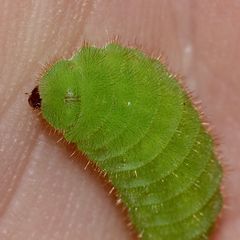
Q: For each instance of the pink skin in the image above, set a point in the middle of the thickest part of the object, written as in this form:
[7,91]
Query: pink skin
[45,193]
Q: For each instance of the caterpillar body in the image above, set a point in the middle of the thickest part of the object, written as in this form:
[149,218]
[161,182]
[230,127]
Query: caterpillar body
[130,116]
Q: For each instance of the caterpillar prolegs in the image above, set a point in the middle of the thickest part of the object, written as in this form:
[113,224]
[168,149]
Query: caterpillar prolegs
[132,118]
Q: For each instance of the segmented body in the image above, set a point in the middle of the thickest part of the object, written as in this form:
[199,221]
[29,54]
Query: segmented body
[130,116]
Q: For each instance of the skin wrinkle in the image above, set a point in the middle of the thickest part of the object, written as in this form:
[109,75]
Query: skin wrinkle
[13,175]
[213,74]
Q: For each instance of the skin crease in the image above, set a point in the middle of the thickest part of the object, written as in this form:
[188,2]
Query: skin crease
[45,193]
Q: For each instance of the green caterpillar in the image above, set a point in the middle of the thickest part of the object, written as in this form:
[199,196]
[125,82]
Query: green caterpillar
[132,118]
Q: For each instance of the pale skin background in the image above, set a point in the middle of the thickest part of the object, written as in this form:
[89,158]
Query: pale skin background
[45,193]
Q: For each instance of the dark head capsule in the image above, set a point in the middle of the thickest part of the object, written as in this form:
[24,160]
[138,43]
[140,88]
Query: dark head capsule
[34,99]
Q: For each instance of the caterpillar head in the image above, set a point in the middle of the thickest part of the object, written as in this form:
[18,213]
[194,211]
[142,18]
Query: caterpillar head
[58,94]
[34,99]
